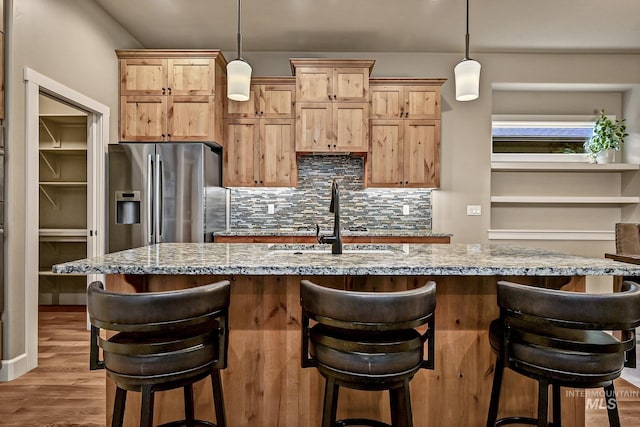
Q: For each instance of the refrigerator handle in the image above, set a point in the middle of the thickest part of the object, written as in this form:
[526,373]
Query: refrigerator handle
[160,197]
[150,222]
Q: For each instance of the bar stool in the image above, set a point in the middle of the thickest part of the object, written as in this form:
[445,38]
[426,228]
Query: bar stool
[559,338]
[163,340]
[367,341]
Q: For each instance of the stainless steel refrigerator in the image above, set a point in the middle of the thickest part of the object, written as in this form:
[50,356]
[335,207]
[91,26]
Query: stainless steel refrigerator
[169,192]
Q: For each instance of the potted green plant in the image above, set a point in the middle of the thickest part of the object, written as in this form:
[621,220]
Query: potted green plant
[608,135]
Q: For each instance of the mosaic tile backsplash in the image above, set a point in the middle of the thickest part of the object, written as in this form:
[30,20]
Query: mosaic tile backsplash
[308,204]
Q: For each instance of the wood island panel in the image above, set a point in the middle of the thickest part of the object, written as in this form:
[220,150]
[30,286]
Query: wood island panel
[265,386]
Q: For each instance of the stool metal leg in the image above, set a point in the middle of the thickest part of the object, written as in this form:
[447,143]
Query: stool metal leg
[612,405]
[146,413]
[218,398]
[118,407]
[188,406]
[543,404]
[401,405]
[557,405]
[330,407]
[495,393]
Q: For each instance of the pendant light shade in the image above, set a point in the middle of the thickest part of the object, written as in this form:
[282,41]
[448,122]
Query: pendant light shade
[467,80]
[238,72]
[467,73]
[238,80]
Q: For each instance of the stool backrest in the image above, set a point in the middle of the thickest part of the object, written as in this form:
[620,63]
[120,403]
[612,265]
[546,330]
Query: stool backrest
[158,312]
[531,314]
[368,311]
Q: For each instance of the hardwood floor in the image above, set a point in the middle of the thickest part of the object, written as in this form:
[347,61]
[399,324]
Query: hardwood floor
[63,392]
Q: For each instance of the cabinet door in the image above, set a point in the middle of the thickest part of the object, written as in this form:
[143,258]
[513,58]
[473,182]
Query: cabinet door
[190,118]
[313,127]
[350,84]
[143,76]
[422,153]
[384,165]
[277,153]
[241,153]
[243,109]
[350,127]
[314,84]
[387,102]
[276,101]
[143,118]
[422,102]
[191,76]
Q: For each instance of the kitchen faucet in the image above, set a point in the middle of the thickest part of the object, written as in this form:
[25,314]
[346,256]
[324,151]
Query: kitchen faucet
[335,240]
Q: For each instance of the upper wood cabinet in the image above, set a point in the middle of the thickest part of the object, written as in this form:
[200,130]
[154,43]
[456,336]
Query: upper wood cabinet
[404,153]
[322,80]
[405,133]
[405,98]
[332,127]
[260,153]
[171,95]
[332,105]
[269,98]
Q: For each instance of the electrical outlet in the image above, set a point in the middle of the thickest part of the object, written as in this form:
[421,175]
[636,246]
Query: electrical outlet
[474,210]
[405,209]
[271,209]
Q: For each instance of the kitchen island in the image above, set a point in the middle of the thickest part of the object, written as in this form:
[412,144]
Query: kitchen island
[264,385]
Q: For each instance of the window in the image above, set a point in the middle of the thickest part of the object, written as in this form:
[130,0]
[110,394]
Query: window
[544,140]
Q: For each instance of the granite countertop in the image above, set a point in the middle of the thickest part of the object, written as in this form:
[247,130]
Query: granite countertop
[310,231]
[373,259]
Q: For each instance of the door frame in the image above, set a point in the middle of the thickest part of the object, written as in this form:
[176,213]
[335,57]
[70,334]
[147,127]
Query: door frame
[97,145]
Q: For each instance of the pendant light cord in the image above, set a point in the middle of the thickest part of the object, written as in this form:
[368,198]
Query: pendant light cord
[466,44]
[240,35]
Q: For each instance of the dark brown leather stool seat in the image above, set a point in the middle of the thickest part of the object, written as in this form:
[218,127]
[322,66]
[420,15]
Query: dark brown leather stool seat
[560,339]
[161,341]
[367,341]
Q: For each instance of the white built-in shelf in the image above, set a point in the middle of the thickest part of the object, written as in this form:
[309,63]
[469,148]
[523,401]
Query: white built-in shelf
[63,234]
[64,183]
[67,151]
[598,200]
[528,234]
[563,167]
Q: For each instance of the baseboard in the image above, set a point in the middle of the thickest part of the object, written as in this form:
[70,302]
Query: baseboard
[13,368]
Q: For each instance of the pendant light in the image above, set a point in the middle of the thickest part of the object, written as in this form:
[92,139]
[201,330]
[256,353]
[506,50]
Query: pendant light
[238,72]
[467,73]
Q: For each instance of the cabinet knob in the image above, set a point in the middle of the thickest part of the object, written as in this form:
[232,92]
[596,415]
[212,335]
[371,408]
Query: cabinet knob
[329,97]
[334,145]
[335,96]
[169,135]
[406,182]
[328,145]
[163,91]
[163,135]
[255,182]
[169,91]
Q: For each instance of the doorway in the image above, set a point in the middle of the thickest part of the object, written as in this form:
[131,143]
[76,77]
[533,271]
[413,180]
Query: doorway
[97,132]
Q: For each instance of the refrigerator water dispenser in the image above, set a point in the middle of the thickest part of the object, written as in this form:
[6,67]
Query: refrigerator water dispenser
[127,207]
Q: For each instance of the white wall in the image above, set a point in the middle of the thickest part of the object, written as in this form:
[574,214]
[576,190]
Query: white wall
[72,42]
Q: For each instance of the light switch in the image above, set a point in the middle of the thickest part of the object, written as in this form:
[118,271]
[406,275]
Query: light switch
[271,208]
[405,209]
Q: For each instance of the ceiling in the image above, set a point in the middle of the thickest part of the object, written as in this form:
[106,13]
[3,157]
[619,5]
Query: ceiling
[559,26]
